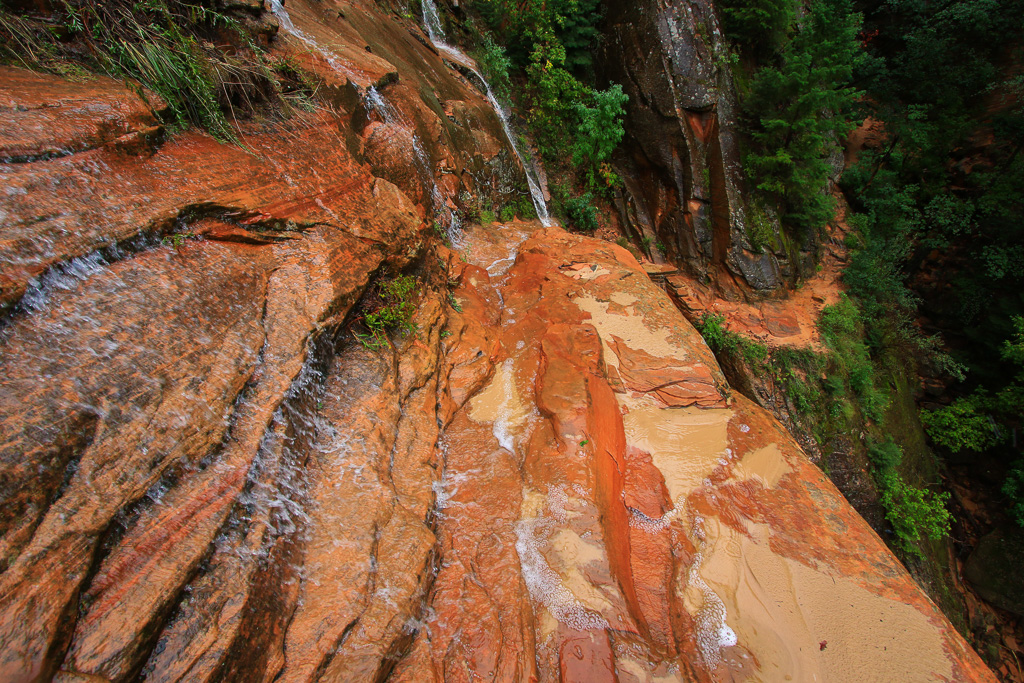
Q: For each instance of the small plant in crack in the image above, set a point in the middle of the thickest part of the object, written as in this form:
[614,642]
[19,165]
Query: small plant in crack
[390,308]
[176,240]
[442,234]
[454,303]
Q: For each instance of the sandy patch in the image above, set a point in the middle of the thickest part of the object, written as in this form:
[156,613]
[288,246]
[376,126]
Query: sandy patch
[630,328]
[686,444]
[802,624]
[766,465]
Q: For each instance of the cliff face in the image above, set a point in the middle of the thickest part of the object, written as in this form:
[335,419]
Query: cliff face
[681,161]
[203,476]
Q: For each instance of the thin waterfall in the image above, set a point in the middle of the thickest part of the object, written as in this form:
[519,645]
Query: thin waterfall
[449,220]
[432,23]
[278,10]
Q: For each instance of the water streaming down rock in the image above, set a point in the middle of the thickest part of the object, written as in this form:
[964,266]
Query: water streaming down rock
[279,11]
[435,31]
[448,218]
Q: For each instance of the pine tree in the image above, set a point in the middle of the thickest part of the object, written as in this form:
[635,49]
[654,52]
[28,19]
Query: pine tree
[799,108]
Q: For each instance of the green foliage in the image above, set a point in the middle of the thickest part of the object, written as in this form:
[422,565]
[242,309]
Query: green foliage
[166,45]
[799,371]
[176,240]
[850,361]
[552,97]
[761,25]
[572,24]
[914,513]
[392,311]
[960,426]
[760,230]
[581,213]
[799,107]
[440,232]
[711,326]
[522,207]
[551,42]
[600,129]
[496,66]
[981,421]
[170,66]
[885,455]
[936,78]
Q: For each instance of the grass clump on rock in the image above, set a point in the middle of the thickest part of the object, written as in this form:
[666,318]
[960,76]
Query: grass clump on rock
[204,62]
[389,309]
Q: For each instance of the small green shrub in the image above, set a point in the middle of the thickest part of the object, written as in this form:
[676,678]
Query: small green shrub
[960,426]
[798,370]
[759,228]
[885,455]
[914,513]
[850,359]
[441,233]
[600,129]
[721,340]
[454,303]
[581,213]
[393,311]
[496,65]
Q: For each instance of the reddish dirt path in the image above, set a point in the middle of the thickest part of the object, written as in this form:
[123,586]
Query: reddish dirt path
[789,318]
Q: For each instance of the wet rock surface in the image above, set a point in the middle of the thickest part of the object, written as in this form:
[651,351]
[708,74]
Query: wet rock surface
[681,165]
[205,477]
[675,535]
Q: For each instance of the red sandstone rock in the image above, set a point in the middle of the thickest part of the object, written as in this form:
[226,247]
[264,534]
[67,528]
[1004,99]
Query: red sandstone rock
[202,478]
[47,116]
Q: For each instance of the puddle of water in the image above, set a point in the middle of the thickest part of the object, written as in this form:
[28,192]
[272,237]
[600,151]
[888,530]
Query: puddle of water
[500,404]
[686,444]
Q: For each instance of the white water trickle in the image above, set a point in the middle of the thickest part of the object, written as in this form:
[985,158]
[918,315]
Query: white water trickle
[450,220]
[432,22]
[544,583]
[278,10]
[503,422]
[713,633]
